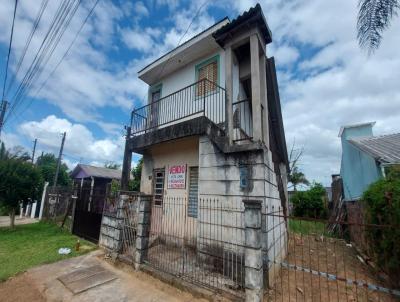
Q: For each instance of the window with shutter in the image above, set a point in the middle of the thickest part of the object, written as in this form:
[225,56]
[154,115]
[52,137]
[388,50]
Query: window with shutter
[193,191]
[207,71]
[158,189]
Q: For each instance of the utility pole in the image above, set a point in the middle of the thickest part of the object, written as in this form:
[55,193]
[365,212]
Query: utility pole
[59,161]
[34,149]
[3,109]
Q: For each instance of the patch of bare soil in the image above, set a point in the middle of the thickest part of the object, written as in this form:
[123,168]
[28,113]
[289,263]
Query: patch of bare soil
[324,269]
[20,288]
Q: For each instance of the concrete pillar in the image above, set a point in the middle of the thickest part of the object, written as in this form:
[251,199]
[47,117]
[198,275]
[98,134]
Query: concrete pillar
[255,87]
[46,184]
[254,283]
[143,230]
[264,101]
[33,211]
[229,93]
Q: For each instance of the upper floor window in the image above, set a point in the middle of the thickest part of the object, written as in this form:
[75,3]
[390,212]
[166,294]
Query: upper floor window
[207,71]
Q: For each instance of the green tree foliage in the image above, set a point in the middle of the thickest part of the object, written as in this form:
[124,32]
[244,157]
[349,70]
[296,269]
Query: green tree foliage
[296,178]
[19,180]
[134,184]
[17,152]
[382,206]
[374,18]
[47,165]
[310,203]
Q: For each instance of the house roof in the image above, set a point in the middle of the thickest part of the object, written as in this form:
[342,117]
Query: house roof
[355,126]
[254,16]
[199,46]
[385,148]
[83,171]
[275,112]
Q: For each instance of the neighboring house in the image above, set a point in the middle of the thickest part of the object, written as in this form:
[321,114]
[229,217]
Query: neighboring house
[364,157]
[212,129]
[90,187]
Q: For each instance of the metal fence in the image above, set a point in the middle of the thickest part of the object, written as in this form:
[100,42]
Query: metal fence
[319,264]
[203,98]
[129,222]
[206,250]
[58,205]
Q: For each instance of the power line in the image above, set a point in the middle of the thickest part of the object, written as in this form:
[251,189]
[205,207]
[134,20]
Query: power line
[28,42]
[64,56]
[9,47]
[46,49]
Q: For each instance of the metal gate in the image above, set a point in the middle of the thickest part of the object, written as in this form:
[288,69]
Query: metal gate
[88,213]
[205,250]
[129,227]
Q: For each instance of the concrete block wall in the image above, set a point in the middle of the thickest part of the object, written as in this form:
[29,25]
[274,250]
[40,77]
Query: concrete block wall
[110,233]
[219,178]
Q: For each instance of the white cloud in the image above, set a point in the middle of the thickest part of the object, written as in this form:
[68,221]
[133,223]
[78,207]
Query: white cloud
[141,9]
[79,142]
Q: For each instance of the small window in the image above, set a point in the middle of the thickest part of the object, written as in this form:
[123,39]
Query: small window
[158,189]
[209,72]
[193,191]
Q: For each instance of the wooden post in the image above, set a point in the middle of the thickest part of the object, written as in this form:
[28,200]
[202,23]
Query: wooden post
[126,165]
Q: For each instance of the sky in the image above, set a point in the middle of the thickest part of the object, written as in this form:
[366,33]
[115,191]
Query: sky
[325,79]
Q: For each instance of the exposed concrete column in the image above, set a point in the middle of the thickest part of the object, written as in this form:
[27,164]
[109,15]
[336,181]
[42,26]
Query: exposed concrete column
[229,93]
[254,283]
[46,184]
[264,101]
[255,87]
[143,230]
[126,164]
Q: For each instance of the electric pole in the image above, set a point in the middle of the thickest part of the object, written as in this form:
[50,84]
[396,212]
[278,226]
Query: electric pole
[3,109]
[59,161]
[34,149]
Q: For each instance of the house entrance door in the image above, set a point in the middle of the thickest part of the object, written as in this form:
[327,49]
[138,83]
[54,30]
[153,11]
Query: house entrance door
[155,96]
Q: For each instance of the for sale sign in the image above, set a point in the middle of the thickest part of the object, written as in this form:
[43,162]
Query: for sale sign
[177,177]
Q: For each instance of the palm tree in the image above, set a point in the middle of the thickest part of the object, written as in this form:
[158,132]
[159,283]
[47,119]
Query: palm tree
[296,178]
[374,17]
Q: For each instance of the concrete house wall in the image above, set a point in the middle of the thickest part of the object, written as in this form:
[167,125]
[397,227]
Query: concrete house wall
[358,169]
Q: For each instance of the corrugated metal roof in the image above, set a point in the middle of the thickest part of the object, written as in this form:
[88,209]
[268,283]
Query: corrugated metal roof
[97,172]
[385,148]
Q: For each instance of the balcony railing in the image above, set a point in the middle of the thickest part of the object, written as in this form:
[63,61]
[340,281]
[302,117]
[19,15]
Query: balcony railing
[242,120]
[203,98]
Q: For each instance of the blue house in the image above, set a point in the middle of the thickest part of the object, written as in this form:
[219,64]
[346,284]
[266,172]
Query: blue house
[364,157]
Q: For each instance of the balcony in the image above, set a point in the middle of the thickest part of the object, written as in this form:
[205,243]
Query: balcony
[203,98]
[189,111]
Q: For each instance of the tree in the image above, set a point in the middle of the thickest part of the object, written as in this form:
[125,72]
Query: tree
[295,176]
[112,165]
[17,152]
[374,18]
[47,165]
[310,203]
[19,180]
[134,184]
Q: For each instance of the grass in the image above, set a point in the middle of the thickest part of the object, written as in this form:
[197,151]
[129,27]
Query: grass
[305,227]
[30,245]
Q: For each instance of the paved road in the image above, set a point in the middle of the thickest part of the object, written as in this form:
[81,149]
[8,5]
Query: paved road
[5,220]
[41,284]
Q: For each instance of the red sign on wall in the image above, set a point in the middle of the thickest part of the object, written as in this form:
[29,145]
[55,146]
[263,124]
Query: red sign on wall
[177,177]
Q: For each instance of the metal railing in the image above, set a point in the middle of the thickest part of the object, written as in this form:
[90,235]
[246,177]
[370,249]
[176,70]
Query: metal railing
[203,98]
[242,120]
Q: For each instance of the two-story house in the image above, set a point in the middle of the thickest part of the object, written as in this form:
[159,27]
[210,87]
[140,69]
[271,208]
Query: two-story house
[212,129]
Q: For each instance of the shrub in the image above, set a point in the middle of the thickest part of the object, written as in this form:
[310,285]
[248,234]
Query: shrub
[310,203]
[382,206]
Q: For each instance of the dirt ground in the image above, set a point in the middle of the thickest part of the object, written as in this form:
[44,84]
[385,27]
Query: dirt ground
[5,220]
[41,284]
[326,255]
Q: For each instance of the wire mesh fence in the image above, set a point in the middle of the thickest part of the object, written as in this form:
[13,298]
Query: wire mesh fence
[206,250]
[323,265]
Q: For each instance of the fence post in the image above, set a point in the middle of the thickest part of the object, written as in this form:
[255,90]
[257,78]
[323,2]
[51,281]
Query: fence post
[143,229]
[119,218]
[254,284]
